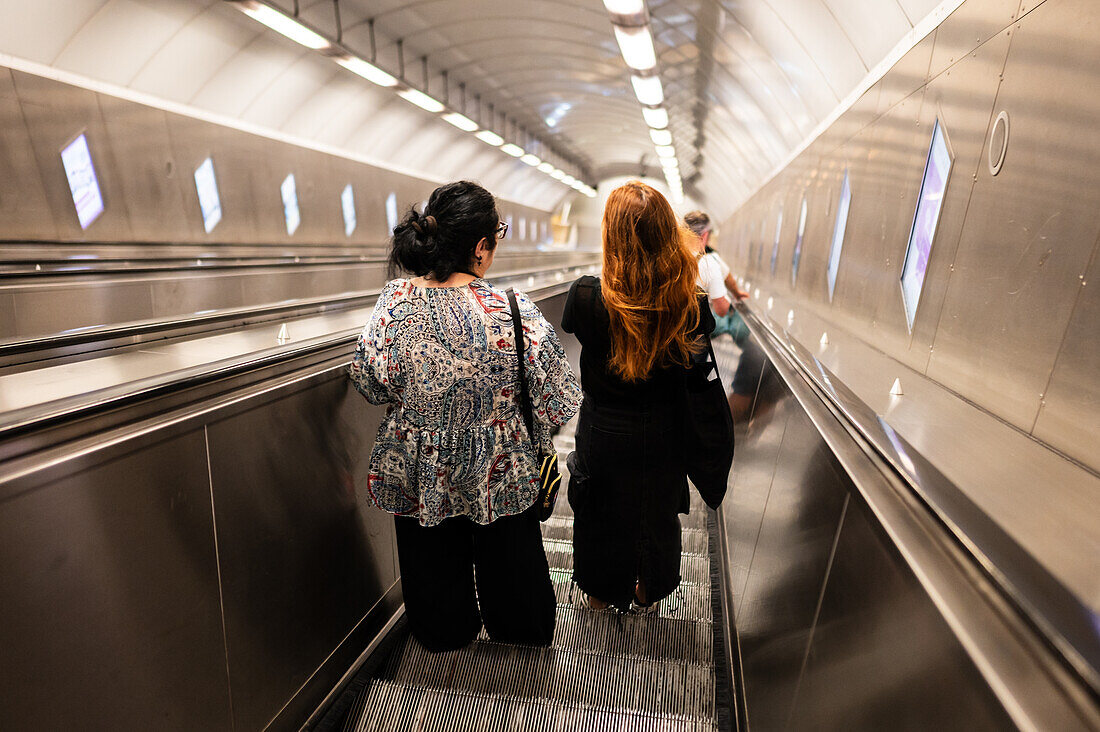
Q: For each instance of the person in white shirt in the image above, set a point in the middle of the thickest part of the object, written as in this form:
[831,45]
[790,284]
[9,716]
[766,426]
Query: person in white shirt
[717,280]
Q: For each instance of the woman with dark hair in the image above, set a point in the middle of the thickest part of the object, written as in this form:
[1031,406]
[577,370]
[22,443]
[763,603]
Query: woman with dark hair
[453,460]
[640,328]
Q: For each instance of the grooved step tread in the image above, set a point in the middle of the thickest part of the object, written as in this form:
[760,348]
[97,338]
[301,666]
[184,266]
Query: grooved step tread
[397,706]
[693,541]
[694,568]
[646,685]
[690,601]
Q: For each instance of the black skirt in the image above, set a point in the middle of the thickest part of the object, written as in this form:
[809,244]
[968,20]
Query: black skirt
[627,484]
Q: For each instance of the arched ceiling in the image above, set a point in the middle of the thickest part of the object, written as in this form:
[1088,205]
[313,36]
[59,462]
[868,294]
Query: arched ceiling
[746,81]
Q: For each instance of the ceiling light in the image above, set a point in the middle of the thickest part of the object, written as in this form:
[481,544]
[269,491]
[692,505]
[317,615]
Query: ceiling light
[370,72]
[421,100]
[648,89]
[530,159]
[568,180]
[490,137]
[557,174]
[284,24]
[514,150]
[655,118]
[624,7]
[461,121]
[661,137]
[545,167]
[668,163]
[665,151]
[636,45]
[590,192]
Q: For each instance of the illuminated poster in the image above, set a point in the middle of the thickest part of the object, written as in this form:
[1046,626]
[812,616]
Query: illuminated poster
[936,171]
[290,204]
[206,185]
[391,211]
[838,233]
[775,247]
[77,159]
[798,243]
[347,203]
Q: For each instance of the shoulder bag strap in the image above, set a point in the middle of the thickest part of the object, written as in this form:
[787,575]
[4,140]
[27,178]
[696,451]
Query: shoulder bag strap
[524,397]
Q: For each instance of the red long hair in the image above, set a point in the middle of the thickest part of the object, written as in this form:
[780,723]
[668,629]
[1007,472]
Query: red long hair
[649,274]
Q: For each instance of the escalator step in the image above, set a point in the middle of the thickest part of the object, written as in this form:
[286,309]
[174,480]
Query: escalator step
[690,601]
[571,677]
[694,568]
[398,706]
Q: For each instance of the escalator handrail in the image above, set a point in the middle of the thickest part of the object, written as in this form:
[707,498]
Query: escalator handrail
[1058,616]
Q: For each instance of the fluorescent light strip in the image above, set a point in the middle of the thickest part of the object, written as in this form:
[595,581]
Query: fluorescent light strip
[568,180]
[531,160]
[669,163]
[661,137]
[624,7]
[368,71]
[665,151]
[545,167]
[514,150]
[636,45]
[422,100]
[285,25]
[490,137]
[648,89]
[655,118]
[557,174]
[460,121]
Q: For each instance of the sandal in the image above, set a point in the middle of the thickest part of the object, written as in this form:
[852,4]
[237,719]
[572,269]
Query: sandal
[637,608]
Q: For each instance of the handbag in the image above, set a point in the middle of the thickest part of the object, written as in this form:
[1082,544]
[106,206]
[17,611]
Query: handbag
[708,430]
[549,478]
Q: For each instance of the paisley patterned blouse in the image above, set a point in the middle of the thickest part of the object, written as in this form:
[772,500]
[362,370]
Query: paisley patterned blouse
[453,441]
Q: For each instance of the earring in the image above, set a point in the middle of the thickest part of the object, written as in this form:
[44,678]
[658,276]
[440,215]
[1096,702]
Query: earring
[479,259]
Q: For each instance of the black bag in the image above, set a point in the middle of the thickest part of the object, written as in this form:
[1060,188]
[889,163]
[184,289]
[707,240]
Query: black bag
[708,430]
[549,478]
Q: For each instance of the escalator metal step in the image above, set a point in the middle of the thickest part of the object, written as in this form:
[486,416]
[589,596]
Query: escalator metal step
[694,568]
[693,541]
[690,601]
[641,636]
[398,706]
[647,685]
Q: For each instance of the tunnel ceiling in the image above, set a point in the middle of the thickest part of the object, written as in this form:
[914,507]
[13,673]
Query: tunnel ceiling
[746,81]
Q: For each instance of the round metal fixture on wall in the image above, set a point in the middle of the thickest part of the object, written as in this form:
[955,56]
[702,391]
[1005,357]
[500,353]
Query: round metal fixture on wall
[998,143]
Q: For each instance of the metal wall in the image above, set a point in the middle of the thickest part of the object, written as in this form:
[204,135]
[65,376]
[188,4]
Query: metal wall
[1005,317]
[145,160]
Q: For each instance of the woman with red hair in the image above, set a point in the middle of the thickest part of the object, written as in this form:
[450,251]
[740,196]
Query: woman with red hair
[640,327]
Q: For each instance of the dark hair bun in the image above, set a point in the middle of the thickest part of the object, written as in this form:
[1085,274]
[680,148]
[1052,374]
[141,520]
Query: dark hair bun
[441,241]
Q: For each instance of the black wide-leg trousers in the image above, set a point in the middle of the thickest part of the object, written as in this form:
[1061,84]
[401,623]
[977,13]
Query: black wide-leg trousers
[459,574]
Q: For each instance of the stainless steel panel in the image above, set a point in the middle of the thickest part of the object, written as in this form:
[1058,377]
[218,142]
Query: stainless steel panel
[40,311]
[1070,414]
[907,75]
[962,99]
[109,610]
[178,296]
[970,25]
[150,179]
[882,657]
[192,141]
[55,114]
[302,556]
[1030,230]
[24,211]
[797,528]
